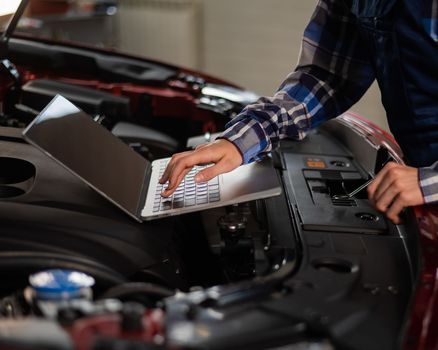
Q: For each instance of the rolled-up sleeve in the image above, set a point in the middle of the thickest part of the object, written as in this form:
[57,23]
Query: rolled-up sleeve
[428,177]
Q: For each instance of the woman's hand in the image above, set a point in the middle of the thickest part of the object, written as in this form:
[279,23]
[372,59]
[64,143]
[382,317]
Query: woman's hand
[394,188]
[223,153]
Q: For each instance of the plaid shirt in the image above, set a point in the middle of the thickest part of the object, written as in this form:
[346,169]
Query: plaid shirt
[331,76]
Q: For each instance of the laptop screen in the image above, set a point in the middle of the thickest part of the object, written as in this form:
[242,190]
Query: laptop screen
[91,152]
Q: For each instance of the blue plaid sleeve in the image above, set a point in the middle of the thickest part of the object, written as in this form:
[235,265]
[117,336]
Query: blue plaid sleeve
[333,72]
[428,177]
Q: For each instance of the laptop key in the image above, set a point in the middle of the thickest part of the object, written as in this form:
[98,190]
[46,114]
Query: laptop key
[214,198]
[166,207]
[178,204]
[166,204]
[190,202]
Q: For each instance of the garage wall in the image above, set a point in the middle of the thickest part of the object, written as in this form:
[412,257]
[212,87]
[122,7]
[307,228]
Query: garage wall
[167,30]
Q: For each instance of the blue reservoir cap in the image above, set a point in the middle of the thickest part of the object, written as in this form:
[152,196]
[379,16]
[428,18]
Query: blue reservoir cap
[57,284]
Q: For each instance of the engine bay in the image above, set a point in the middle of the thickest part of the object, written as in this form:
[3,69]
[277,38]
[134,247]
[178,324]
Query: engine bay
[300,268]
[309,269]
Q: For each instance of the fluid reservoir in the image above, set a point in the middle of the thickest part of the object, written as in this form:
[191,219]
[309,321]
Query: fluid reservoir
[60,285]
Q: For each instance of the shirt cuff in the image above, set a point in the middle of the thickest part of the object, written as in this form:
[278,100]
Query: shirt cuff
[249,137]
[428,178]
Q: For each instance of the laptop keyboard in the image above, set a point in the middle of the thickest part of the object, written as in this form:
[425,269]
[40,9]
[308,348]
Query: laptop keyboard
[188,193]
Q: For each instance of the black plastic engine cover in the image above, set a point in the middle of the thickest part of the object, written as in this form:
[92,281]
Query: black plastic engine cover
[49,218]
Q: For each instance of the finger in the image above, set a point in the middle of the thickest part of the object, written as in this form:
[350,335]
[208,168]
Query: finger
[394,211]
[383,186]
[169,190]
[394,174]
[211,153]
[213,171]
[378,179]
[165,177]
[372,187]
[386,199]
[179,170]
[183,166]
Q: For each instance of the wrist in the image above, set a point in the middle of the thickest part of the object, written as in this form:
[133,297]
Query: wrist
[249,138]
[231,149]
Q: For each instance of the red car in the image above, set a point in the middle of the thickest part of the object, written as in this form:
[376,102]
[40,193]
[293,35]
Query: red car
[305,270]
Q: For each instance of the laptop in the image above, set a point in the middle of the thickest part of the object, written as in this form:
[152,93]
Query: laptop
[104,162]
